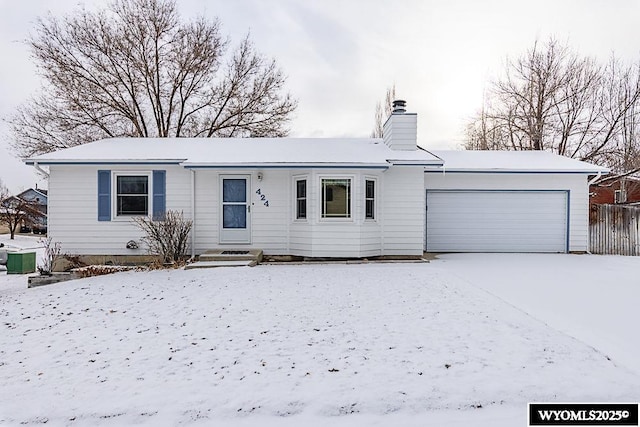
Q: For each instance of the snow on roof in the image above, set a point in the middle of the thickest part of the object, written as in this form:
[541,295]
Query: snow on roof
[513,161]
[308,152]
[211,152]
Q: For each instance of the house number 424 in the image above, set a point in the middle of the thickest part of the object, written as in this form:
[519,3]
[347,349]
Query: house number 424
[263,198]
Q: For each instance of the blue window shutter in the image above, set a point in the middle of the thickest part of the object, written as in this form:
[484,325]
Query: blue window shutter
[104,195]
[159,194]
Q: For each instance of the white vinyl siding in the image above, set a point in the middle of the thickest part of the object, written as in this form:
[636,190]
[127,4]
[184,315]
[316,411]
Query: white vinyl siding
[275,228]
[497,221]
[402,211]
[269,221]
[400,131]
[330,237]
[398,228]
[73,208]
[574,184]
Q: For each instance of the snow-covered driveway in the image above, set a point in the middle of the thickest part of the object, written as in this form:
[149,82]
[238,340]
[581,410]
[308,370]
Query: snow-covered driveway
[322,341]
[594,298]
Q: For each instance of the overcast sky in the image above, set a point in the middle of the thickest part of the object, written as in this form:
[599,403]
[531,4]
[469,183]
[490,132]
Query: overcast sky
[341,55]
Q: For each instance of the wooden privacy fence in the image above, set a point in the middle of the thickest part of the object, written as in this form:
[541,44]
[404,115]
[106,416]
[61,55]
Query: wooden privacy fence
[614,229]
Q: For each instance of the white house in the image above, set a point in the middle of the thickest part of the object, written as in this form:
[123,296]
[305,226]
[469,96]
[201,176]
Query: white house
[318,197]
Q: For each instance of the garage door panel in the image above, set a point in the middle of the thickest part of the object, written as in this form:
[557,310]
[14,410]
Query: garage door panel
[523,225]
[497,221]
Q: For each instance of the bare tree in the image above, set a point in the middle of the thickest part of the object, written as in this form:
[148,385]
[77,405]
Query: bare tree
[485,132]
[617,143]
[553,99]
[4,195]
[4,191]
[136,69]
[15,210]
[383,111]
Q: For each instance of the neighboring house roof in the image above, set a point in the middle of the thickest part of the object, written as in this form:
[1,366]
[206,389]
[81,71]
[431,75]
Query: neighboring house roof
[32,194]
[605,182]
[240,152]
[513,162]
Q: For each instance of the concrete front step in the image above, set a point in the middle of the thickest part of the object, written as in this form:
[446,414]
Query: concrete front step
[232,255]
[214,264]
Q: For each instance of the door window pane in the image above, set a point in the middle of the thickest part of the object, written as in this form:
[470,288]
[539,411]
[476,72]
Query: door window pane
[234,216]
[234,190]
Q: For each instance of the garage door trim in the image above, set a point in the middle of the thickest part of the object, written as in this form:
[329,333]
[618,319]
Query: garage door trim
[474,190]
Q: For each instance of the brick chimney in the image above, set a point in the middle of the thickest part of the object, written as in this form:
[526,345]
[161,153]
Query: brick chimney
[400,131]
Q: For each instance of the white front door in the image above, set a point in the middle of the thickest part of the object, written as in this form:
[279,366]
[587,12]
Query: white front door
[235,207]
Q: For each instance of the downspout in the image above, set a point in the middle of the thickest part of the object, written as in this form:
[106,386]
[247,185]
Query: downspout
[39,169]
[381,211]
[193,215]
[597,177]
[589,184]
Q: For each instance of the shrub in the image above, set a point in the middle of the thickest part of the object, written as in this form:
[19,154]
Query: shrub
[167,238]
[52,252]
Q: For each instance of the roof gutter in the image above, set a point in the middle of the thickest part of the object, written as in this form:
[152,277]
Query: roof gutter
[416,163]
[188,165]
[518,171]
[40,170]
[31,162]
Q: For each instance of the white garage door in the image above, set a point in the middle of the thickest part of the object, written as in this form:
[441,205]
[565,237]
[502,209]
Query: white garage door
[497,221]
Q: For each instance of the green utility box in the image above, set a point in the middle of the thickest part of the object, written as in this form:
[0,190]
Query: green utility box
[21,262]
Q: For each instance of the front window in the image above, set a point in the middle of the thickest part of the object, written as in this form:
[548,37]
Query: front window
[369,199]
[301,199]
[336,198]
[132,196]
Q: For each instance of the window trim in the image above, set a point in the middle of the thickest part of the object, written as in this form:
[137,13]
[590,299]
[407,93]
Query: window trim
[295,198]
[114,194]
[351,217]
[375,198]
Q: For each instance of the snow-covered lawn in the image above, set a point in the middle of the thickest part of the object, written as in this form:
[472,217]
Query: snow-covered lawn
[593,298]
[377,344]
[22,241]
